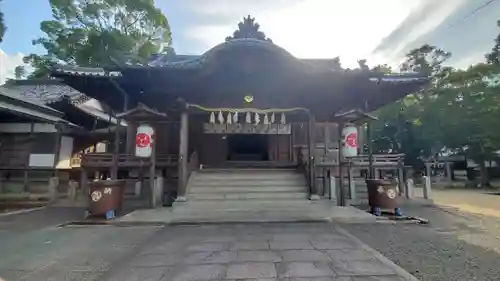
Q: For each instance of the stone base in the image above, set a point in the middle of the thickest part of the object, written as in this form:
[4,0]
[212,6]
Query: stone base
[181,199]
[314,197]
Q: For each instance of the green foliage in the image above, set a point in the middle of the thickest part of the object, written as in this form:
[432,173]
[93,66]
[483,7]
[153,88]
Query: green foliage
[91,33]
[459,112]
[3,28]
[494,56]
[19,72]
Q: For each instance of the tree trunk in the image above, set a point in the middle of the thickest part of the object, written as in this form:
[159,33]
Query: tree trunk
[483,174]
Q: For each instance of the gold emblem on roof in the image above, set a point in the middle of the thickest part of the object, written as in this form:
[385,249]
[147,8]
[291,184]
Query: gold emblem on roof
[248,99]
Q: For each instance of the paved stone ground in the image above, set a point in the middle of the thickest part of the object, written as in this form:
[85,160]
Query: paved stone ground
[38,219]
[454,246]
[69,253]
[316,251]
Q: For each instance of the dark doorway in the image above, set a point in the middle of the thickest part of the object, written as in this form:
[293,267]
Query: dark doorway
[244,147]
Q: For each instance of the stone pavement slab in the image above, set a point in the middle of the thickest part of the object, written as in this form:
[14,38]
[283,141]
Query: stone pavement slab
[284,252]
[70,253]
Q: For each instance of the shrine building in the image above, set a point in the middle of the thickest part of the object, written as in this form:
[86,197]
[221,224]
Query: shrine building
[244,104]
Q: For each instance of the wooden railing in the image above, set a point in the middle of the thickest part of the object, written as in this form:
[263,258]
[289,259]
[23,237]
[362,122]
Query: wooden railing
[76,160]
[125,160]
[378,158]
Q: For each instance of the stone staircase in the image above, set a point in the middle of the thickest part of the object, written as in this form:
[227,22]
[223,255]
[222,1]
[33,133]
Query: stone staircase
[257,190]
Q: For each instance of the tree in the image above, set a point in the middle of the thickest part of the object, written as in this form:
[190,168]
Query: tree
[470,112]
[3,28]
[410,126]
[95,33]
[19,72]
[494,56]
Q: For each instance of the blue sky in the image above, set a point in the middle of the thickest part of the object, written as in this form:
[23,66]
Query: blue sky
[381,31]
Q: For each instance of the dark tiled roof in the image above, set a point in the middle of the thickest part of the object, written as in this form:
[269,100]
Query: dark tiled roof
[17,96]
[50,93]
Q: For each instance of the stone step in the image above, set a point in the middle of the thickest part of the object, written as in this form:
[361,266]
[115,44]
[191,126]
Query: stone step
[248,196]
[246,183]
[248,177]
[245,189]
[242,205]
[249,170]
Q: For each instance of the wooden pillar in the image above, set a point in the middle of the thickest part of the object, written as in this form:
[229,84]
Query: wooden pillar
[152,171]
[57,148]
[311,153]
[361,139]
[428,169]
[326,176]
[341,191]
[129,143]
[352,183]
[371,172]
[183,157]
[449,171]
[116,151]
[84,183]
[27,164]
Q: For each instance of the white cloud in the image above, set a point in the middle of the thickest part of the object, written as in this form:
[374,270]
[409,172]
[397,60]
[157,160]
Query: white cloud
[423,20]
[7,65]
[308,29]
[381,31]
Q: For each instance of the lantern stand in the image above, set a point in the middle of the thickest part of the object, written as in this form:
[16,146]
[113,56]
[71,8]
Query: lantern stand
[144,119]
[346,122]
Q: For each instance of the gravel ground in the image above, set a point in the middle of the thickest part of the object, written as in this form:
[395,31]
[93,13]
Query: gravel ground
[454,246]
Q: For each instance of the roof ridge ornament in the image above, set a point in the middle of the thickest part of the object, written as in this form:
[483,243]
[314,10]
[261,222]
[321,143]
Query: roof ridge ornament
[248,28]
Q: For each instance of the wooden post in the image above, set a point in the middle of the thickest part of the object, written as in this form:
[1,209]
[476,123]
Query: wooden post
[312,149]
[428,170]
[26,181]
[427,187]
[371,172]
[326,178]
[409,189]
[152,171]
[352,184]
[341,193]
[448,171]
[183,157]
[57,147]
[332,190]
[116,151]
[84,183]
[403,188]
[129,138]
